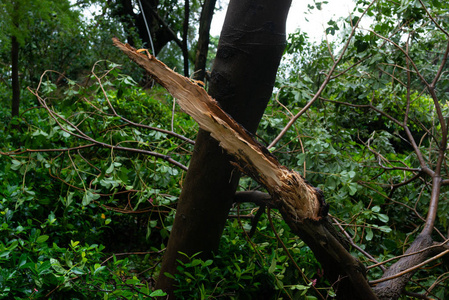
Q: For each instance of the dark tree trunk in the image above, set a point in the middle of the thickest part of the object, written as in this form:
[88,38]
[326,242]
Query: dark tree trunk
[127,16]
[202,47]
[15,76]
[185,32]
[242,79]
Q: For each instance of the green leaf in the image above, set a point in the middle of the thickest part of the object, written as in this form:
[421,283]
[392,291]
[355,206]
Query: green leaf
[383,218]
[169,275]
[376,208]
[189,275]
[272,267]
[352,188]
[42,239]
[16,165]
[89,197]
[195,262]
[208,263]
[158,293]
[300,158]
[57,266]
[78,271]
[133,281]
[369,234]
[385,229]
[110,169]
[43,267]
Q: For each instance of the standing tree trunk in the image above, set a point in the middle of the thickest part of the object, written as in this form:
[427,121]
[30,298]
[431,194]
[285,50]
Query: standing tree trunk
[185,32]
[202,47]
[15,76]
[249,52]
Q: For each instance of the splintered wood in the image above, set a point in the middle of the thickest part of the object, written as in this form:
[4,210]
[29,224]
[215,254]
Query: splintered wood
[289,190]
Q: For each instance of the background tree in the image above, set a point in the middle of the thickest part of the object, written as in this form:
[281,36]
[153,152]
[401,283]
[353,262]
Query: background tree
[48,36]
[18,21]
[160,19]
[207,12]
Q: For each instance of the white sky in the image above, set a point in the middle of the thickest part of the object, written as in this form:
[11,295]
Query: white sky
[297,18]
[314,27]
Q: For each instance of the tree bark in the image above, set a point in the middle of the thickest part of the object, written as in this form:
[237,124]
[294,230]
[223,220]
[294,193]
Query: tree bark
[244,71]
[15,76]
[202,48]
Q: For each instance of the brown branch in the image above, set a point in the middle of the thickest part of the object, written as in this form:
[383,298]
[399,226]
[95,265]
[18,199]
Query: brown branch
[433,205]
[185,31]
[369,256]
[430,87]
[370,106]
[424,167]
[18,152]
[433,19]
[409,269]
[164,24]
[256,197]
[114,112]
[409,254]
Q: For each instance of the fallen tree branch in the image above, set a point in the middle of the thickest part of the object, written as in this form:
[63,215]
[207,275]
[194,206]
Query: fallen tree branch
[288,188]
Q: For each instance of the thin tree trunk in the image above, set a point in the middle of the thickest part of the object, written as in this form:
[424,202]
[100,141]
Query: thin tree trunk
[15,76]
[244,71]
[185,32]
[202,47]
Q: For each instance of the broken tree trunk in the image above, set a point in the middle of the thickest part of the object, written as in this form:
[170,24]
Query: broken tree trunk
[288,188]
[301,205]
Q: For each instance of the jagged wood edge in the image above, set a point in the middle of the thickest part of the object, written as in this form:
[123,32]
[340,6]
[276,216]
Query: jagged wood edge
[288,188]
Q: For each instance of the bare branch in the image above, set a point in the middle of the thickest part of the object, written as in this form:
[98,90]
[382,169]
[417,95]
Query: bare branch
[369,256]
[324,84]
[433,19]
[256,197]
[81,135]
[409,269]
[430,87]
[409,254]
